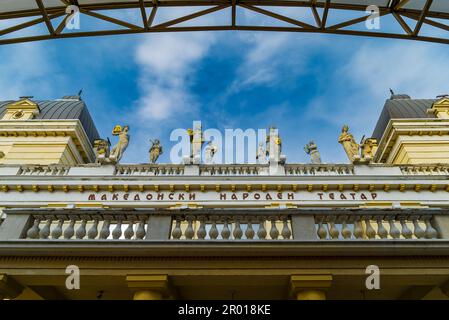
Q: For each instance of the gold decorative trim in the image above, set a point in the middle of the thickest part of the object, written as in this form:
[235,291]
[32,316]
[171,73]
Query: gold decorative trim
[218,188]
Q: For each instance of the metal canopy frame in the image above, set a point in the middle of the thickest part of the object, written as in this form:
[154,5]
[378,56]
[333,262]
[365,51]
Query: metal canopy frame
[319,11]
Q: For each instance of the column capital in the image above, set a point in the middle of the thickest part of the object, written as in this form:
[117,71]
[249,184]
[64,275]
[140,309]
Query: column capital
[310,286]
[9,288]
[159,283]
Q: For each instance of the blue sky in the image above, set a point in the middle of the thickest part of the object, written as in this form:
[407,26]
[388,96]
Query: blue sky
[305,84]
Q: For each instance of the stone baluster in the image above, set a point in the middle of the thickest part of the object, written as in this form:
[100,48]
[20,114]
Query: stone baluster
[56,233]
[105,232]
[358,230]
[345,231]
[333,231]
[201,233]
[117,232]
[381,231]
[213,232]
[129,231]
[33,232]
[140,231]
[285,232]
[237,233]
[274,232]
[262,232]
[70,230]
[93,230]
[430,232]
[177,232]
[394,231]
[81,231]
[249,232]
[370,232]
[418,231]
[189,232]
[44,233]
[321,232]
[225,232]
[406,232]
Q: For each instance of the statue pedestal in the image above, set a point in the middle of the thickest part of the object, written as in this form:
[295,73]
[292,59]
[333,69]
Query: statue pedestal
[277,167]
[192,170]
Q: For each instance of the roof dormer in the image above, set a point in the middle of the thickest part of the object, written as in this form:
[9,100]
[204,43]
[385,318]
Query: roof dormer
[440,108]
[24,109]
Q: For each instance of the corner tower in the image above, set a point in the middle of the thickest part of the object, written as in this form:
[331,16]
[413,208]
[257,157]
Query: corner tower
[46,132]
[413,131]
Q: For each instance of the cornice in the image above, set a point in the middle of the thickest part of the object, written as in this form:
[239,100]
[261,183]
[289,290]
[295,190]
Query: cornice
[234,248]
[409,127]
[50,128]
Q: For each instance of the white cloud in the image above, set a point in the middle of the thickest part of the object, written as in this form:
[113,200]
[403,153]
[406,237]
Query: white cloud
[167,61]
[361,85]
[26,69]
[356,92]
[162,102]
[274,58]
[417,68]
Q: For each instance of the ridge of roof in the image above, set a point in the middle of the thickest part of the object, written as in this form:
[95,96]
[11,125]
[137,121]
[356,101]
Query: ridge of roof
[62,109]
[402,109]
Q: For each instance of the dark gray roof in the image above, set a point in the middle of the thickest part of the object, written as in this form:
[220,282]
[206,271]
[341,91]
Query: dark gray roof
[402,109]
[63,109]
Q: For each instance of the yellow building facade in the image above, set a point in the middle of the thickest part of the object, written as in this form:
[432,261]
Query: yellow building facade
[75,228]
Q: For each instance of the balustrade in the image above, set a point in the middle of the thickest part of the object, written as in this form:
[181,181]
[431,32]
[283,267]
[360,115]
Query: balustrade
[340,227]
[100,227]
[51,170]
[317,170]
[149,170]
[230,170]
[231,227]
[425,170]
[209,225]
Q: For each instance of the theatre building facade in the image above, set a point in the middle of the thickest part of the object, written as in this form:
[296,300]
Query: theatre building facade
[77,224]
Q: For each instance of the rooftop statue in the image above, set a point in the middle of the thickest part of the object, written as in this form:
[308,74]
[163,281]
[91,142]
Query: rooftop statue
[102,150]
[274,146]
[348,142]
[210,152]
[261,154]
[123,140]
[312,149]
[196,142]
[155,150]
[368,147]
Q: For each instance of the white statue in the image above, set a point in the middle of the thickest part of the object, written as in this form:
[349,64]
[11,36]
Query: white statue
[155,150]
[351,147]
[122,144]
[210,152]
[274,146]
[102,150]
[312,149]
[261,155]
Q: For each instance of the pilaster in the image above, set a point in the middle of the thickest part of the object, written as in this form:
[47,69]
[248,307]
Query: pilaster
[310,287]
[149,287]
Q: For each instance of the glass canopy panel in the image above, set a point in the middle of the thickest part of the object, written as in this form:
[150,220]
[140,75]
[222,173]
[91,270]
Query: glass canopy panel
[379,3]
[81,2]
[17,5]
[53,3]
[437,5]
[440,6]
